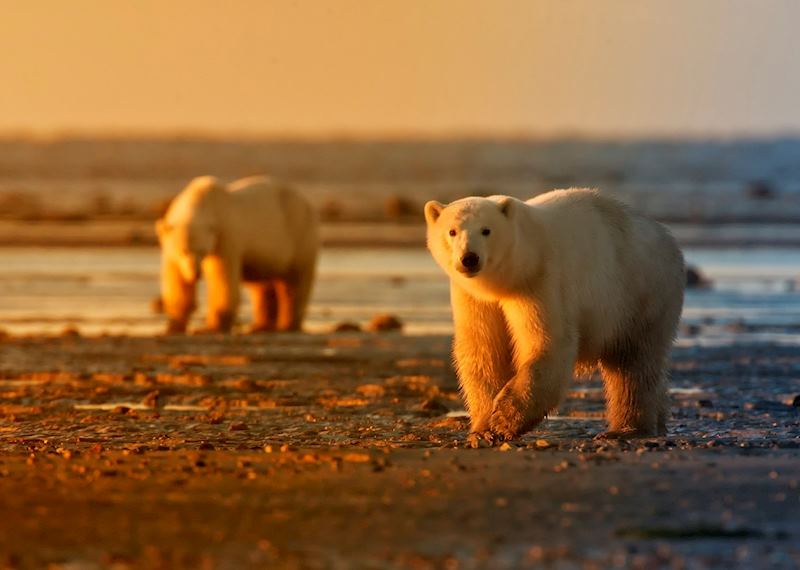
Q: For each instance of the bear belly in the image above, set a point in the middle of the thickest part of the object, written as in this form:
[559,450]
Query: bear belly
[258,272]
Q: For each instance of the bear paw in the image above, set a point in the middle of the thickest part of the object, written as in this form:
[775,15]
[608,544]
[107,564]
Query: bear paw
[510,417]
[480,439]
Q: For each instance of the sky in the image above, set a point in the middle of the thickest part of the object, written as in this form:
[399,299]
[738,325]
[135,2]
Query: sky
[372,67]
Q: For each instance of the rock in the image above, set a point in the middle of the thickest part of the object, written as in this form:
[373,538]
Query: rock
[238,426]
[543,444]
[695,278]
[396,207]
[767,406]
[346,326]
[691,329]
[705,404]
[737,326]
[761,190]
[385,323]
[151,399]
[70,331]
[434,405]
[371,390]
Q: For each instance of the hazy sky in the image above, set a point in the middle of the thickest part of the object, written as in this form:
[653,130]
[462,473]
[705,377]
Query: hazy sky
[372,66]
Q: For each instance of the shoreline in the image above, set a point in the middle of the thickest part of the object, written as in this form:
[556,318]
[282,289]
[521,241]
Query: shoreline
[137,233]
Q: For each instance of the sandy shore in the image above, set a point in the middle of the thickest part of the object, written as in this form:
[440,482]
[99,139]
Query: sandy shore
[344,451]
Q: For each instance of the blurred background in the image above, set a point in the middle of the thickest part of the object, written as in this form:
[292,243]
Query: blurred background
[687,111]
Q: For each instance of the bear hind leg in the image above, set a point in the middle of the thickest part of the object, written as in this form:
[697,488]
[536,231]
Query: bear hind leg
[637,396]
[293,294]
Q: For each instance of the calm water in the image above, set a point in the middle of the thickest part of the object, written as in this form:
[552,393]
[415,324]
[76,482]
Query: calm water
[110,290]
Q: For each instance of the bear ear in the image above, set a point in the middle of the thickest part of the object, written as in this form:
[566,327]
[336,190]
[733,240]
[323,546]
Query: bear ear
[432,211]
[506,206]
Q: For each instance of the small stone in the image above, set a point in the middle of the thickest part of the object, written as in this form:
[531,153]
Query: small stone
[205,446]
[543,444]
[151,399]
[705,404]
[434,405]
[506,447]
[122,410]
[371,390]
[346,327]
[760,190]
[695,278]
[355,457]
[238,426]
[737,326]
[691,329]
[385,323]
[70,331]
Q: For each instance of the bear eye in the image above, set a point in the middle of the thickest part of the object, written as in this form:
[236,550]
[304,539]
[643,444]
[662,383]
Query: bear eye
[452,233]
[486,231]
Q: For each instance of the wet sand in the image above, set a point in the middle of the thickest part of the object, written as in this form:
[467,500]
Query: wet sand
[345,451]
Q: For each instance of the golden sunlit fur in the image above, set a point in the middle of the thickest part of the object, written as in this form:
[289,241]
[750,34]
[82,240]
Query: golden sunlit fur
[561,283]
[253,232]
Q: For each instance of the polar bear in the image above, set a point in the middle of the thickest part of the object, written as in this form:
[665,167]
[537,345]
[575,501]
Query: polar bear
[252,231]
[563,283]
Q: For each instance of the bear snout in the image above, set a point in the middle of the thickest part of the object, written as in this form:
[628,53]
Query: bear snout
[470,263]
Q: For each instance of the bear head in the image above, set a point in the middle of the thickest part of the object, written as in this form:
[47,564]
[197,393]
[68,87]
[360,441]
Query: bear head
[188,232]
[472,238]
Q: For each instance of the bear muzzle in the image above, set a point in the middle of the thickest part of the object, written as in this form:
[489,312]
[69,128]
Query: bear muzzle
[469,264]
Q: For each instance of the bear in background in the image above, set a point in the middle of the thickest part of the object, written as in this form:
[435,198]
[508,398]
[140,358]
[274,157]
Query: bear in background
[253,232]
[562,283]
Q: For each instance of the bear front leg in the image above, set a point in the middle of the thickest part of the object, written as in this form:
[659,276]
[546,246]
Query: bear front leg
[544,364]
[177,296]
[482,353]
[223,278]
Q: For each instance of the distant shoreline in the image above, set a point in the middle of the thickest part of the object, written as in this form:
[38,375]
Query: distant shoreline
[127,233]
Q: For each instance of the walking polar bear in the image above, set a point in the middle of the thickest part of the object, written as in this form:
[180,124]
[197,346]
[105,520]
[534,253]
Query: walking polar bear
[251,231]
[564,282]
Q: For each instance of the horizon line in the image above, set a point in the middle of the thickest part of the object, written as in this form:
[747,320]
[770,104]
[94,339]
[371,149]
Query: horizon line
[389,135]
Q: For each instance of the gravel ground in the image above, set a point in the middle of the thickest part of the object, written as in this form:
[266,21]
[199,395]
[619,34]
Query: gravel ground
[345,451]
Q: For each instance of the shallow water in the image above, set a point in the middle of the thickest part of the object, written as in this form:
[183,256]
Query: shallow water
[756,292]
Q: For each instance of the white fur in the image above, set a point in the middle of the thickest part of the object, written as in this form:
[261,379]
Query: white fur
[568,280]
[252,231]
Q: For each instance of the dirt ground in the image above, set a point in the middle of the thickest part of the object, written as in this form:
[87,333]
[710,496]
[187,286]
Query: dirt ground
[345,451]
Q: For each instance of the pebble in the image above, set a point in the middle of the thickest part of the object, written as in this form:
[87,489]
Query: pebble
[151,399]
[385,323]
[434,405]
[346,326]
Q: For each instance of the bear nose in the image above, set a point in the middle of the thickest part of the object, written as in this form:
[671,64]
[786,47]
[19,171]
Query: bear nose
[470,260]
